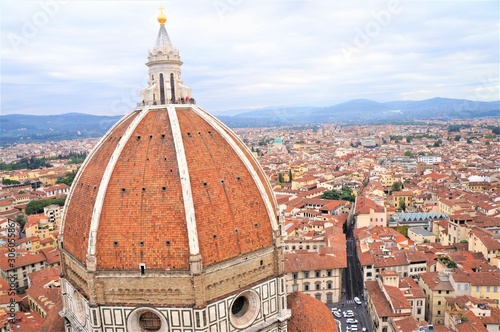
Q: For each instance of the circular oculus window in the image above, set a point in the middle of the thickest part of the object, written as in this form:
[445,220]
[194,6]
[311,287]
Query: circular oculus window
[146,320]
[244,309]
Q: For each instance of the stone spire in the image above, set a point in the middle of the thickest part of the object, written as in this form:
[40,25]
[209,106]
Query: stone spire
[165,85]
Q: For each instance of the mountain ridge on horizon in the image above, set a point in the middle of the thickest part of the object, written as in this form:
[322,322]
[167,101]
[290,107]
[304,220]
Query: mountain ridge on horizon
[26,127]
[349,102]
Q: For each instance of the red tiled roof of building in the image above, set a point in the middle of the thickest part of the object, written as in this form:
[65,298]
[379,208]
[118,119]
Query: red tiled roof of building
[53,321]
[436,282]
[405,324]
[409,284]
[402,193]
[28,322]
[485,278]
[34,219]
[487,238]
[44,276]
[364,205]
[494,317]
[309,261]
[397,298]
[22,260]
[47,240]
[462,301]
[309,314]
[434,176]
[52,255]
[332,205]
[45,295]
[471,323]
[380,302]
[27,239]
[441,328]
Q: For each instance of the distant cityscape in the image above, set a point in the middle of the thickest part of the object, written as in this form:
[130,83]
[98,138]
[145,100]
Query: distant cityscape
[422,233]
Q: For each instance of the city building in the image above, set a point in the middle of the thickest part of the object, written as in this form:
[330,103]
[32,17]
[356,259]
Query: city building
[420,235]
[437,287]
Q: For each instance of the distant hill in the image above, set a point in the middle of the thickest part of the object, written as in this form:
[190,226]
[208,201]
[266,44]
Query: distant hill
[29,128]
[368,111]
[40,128]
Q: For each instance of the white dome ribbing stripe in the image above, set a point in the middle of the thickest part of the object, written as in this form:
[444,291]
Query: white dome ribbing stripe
[84,166]
[187,194]
[260,186]
[96,213]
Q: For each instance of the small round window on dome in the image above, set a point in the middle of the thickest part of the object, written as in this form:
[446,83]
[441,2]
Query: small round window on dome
[244,309]
[149,321]
[240,306]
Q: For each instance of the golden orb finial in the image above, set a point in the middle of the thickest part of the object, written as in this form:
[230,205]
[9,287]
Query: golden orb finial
[162,18]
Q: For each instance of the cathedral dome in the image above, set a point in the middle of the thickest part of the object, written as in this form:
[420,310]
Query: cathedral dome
[171,224]
[166,186]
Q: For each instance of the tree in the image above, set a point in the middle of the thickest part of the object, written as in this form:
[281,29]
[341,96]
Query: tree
[496,130]
[35,207]
[9,182]
[409,154]
[347,194]
[396,186]
[68,179]
[20,220]
[454,128]
[331,194]
[402,204]
[437,143]
[457,138]
[280,178]
[290,176]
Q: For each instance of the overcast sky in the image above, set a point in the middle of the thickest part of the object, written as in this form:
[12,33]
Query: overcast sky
[88,56]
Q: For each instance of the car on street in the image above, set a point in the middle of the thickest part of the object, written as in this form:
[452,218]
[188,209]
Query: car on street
[337,314]
[357,300]
[363,329]
[351,321]
[348,314]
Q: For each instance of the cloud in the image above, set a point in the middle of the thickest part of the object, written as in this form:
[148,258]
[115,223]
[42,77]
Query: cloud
[89,56]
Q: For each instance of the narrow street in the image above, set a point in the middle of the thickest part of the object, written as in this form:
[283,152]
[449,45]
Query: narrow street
[353,287]
[353,280]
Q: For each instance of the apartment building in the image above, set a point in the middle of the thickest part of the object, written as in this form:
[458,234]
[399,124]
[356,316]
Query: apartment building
[436,287]
[316,274]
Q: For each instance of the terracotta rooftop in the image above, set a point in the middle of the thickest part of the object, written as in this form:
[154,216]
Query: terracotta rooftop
[436,282]
[380,302]
[309,314]
[308,261]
